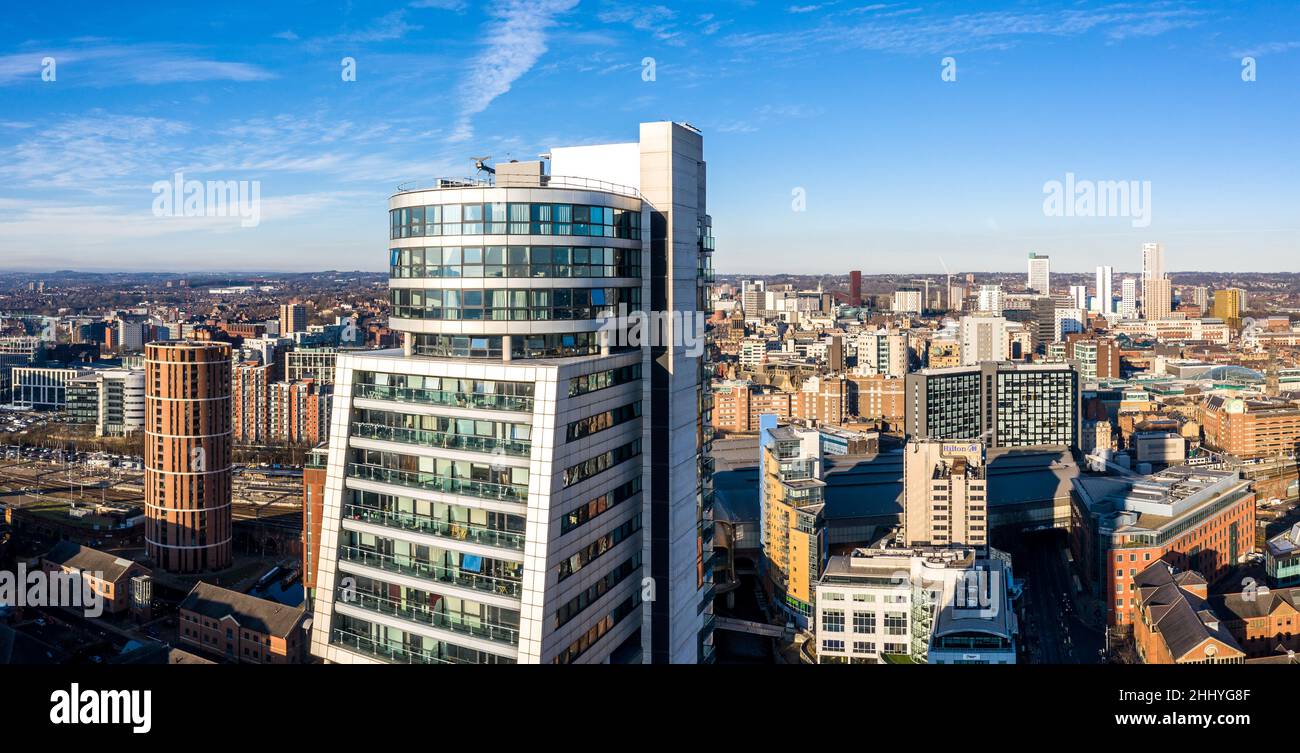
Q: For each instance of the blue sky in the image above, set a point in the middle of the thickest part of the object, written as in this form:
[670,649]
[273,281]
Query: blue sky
[844,101]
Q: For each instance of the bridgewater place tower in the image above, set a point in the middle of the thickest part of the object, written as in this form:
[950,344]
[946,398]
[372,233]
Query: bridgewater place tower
[526,480]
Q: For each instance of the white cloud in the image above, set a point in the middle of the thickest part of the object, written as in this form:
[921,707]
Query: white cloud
[516,40]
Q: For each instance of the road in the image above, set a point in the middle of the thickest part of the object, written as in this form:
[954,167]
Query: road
[1058,635]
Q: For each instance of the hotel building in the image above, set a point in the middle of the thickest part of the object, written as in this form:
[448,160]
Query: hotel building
[1003,403]
[945,493]
[510,484]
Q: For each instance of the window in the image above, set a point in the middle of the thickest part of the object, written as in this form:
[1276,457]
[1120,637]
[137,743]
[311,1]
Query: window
[864,622]
[833,621]
[895,623]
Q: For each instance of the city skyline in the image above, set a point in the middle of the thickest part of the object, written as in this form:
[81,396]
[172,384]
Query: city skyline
[970,117]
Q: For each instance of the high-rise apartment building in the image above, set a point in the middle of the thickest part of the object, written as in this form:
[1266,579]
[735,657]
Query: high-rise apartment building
[1040,274]
[1003,404]
[1104,293]
[855,288]
[1157,295]
[945,493]
[1079,296]
[1128,303]
[293,318]
[187,455]
[505,487]
[991,300]
[883,351]
[250,402]
[984,338]
[792,531]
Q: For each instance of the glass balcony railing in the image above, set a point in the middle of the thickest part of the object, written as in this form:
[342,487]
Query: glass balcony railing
[452,576]
[445,484]
[434,527]
[444,440]
[454,623]
[442,397]
[364,644]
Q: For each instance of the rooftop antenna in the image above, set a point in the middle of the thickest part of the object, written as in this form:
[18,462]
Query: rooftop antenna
[480,164]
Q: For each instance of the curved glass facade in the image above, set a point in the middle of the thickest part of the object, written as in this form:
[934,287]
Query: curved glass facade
[501,218]
[514,261]
[521,346]
[510,304]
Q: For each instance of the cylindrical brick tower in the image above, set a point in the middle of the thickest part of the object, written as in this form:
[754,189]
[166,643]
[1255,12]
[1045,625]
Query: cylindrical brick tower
[187,455]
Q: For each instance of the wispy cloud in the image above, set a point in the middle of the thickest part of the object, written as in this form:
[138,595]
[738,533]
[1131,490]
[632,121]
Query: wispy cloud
[911,30]
[516,40]
[1268,48]
[112,65]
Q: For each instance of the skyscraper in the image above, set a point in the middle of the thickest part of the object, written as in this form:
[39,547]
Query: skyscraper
[1104,302]
[1157,295]
[507,486]
[855,287]
[187,455]
[1079,296]
[1040,274]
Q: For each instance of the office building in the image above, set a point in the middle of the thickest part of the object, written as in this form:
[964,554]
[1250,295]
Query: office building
[855,288]
[505,487]
[42,387]
[1228,306]
[111,399]
[187,455]
[1040,274]
[1250,428]
[922,605]
[241,628]
[1195,518]
[945,494]
[1005,404]
[1282,558]
[1175,622]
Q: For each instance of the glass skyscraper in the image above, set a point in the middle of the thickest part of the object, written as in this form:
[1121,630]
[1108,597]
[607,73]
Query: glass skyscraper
[522,482]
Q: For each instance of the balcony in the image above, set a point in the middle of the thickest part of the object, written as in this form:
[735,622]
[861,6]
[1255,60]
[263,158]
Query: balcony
[435,483]
[442,397]
[443,440]
[432,526]
[452,576]
[364,644]
[454,623]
